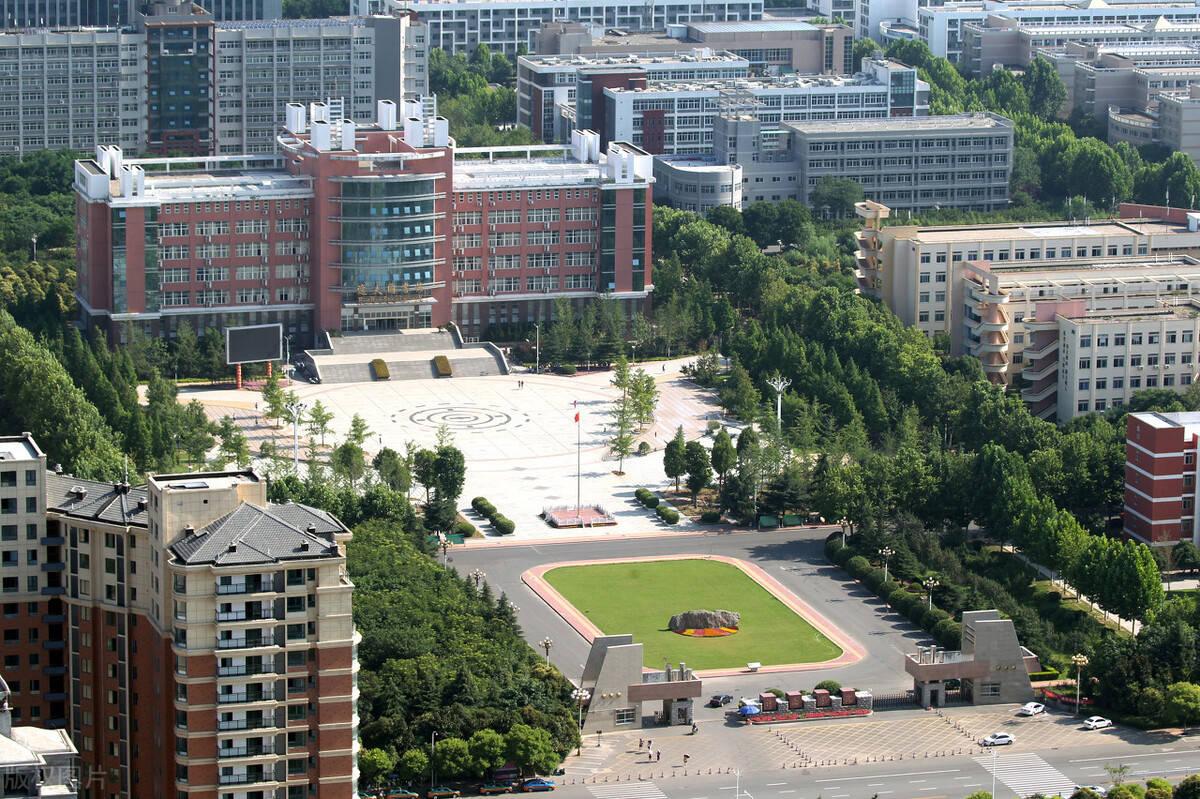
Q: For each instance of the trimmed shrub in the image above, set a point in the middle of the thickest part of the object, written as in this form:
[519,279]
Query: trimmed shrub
[482,506]
[948,633]
[442,364]
[646,497]
[1040,676]
[643,448]
[668,515]
[464,529]
[842,556]
[932,616]
[379,367]
[873,579]
[1158,793]
[503,524]
[833,545]
[710,516]
[779,692]
[885,589]
[832,686]
[858,566]
[898,599]
[1159,783]
[566,369]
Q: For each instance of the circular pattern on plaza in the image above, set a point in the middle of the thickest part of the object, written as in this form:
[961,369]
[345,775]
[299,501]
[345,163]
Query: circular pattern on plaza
[465,418]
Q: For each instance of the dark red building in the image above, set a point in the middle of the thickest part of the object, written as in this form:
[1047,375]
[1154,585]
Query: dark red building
[1160,477]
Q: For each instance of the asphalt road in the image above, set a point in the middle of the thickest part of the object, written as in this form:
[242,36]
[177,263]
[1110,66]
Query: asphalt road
[795,557]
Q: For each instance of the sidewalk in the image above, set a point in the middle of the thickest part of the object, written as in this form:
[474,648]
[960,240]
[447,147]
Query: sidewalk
[1133,624]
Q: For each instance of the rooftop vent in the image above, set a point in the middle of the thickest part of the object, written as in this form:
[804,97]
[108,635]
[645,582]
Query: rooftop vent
[189,530]
[142,503]
[304,546]
[232,548]
[79,492]
[311,529]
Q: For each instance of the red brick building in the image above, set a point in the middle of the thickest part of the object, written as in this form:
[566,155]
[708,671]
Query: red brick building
[194,640]
[1160,477]
[362,227]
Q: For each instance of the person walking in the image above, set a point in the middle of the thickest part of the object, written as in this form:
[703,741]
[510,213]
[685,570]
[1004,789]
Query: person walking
[685,759]
[659,755]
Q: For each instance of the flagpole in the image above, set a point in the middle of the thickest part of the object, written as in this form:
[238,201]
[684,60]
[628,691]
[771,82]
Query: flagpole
[578,466]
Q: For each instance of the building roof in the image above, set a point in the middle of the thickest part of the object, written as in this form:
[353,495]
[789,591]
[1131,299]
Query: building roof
[18,448]
[251,534]
[1189,420]
[687,54]
[115,503]
[904,125]
[1036,232]
[752,26]
[476,175]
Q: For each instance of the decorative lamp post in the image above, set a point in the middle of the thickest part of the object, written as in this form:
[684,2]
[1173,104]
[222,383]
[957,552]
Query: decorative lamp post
[845,525]
[1078,661]
[546,643]
[930,583]
[886,553]
[537,345]
[477,575]
[432,758]
[295,410]
[581,696]
[780,385]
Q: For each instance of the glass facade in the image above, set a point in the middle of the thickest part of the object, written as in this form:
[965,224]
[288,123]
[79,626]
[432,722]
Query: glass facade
[119,304]
[178,81]
[388,233]
[639,239]
[150,228]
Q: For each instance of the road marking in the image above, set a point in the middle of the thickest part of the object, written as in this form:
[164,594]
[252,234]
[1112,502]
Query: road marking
[775,784]
[1027,774]
[1124,757]
[647,790]
[885,776]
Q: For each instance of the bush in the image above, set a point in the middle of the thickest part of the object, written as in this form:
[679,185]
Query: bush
[667,514]
[482,506]
[873,579]
[442,364]
[643,448]
[710,516]
[948,633]
[1160,784]
[858,566]
[842,556]
[833,545]
[1158,793]
[566,369]
[1040,676]
[464,529]
[778,692]
[712,427]
[379,367]
[898,599]
[1189,788]
[647,498]
[503,524]
[885,589]
[832,686]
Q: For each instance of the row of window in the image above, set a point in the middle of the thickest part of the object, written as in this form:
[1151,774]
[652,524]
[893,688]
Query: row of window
[1118,361]
[1151,381]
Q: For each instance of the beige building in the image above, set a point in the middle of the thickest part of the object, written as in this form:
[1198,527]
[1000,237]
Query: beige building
[1007,294]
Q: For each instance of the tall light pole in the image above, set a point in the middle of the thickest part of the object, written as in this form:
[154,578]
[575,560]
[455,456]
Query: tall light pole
[1078,661]
[432,758]
[477,575]
[581,695]
[845,525]
[886,553]
[296,409]
[993,771]
[537,346]
[546,643]
[930,584]
[780,385]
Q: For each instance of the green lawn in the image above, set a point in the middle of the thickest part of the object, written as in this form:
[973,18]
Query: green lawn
[640,598]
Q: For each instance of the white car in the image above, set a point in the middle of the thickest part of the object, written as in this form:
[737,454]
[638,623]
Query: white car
[1031,709]
[999,739]
[1096,723]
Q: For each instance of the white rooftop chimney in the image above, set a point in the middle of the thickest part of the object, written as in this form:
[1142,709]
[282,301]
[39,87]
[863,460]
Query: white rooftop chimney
[126,175]
[348,131]
[139,180]
[385,114]
[319,112]
[321,135]
[294,114]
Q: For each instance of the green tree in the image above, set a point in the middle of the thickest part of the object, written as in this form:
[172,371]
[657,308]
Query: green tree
[349,462]
[1186,556]
[393,470]
[487,751]
[317,420]
[450,471]
[424,470]
[273,400]
[863,48]
[358,430]
[699,470]
[452,757]
[835,195]
[374,765]
[413,764]
[530,749]
[724,457]
[195,432]
[623,413]
[1044,88]
[643,397]
[234,446]
[1183,703]
[675,457]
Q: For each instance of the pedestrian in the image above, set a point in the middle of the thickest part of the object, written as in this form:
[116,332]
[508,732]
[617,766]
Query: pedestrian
[650,744]
[664,367]
[659,755]
[685,759]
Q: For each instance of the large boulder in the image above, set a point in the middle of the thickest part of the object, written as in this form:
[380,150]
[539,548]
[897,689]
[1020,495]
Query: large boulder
[702,619]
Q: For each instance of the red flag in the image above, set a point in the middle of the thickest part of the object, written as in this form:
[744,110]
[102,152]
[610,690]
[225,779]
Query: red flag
[576,417]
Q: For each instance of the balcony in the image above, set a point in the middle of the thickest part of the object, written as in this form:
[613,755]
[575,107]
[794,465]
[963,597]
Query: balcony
[244,697]
[1033,354]
[1033,373]
[248,587]
[243,670]
[248,614]
[245,751]
[245,724]
[1035,394]
[244,642]
[243,779]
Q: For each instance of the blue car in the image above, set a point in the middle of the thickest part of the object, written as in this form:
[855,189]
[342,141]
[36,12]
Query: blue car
[537,784]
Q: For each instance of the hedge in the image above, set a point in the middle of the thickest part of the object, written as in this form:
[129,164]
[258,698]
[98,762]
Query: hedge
[1048,674]
[380,369]
[710,516]
[841,556]
[442,364]
[503,524]
[873,580]
[886,589]
[646,497]
[566,369]
[464,529]
[858,566]
[483,507]
[667,514]
[486,509]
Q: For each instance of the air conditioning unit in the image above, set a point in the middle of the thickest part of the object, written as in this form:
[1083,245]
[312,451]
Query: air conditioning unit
[492,250]
[265,282]
[546,290]
[303,280]
[546,248]
[303,257]
[264,259]
[208,284]
[531,201]
[208,239]
[264,237]
[492,203]
[492,228]
[208,305]
[546,271]
[546,226]
[492,292]
[208,261]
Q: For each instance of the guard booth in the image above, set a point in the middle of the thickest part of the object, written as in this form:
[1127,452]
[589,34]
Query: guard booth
[992,666]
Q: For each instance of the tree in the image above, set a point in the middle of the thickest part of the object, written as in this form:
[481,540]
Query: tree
[863,48]
[1186,556]
[724,457]
[1044,88]
[487,751]
[643,397]
[450,471]
[358,430]
[623,413]
[349,462]
[195,432]
[452,757]
[234,446]
[674,457]
[699,471]
[424,470]
[530,749]
[1183,703]
[317,420]
[374,765]
[413,764]
[273,400]
[393,470]
[838,195]
[1189,788]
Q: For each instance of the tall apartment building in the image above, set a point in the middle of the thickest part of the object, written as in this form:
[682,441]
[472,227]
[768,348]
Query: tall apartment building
[103,13]
[362,227]
[1160,478]
[771,46]
[194,639]
[511,26]
[671,118]
[960,161]
[1078,314]
[558,94]
[178,81]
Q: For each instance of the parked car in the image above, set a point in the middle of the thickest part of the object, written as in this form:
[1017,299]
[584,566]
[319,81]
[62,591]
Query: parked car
[999,739]
[1031,709]
[400,793]
[720,700]
[495,787]
[537,784]
[1096,723]
[442,792]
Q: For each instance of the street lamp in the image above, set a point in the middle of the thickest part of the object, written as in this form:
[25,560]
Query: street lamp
[780,385]
[546,643]
[993,771]
[886,553]
[845,525]
[477,575]
[537,366]
[295,409]
[432,758]
[930,583]
[581,695]
[1078,661]
[444,543]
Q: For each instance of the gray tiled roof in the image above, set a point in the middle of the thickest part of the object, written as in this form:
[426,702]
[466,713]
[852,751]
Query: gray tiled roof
[107,502]
[252,534]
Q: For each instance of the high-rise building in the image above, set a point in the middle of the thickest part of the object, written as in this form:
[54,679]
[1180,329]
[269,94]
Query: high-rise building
[194,639]
[511,26]
[362,227]
[1160,478]
[70,13]
[178,82]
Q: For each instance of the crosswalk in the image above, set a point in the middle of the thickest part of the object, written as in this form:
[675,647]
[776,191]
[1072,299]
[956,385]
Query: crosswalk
[1027,774]
[639,790]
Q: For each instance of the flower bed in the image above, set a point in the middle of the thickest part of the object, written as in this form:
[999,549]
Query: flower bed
[813,715]
[708,632]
